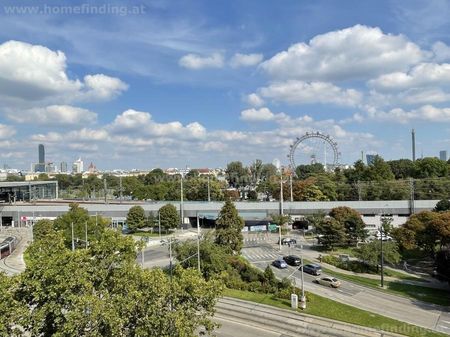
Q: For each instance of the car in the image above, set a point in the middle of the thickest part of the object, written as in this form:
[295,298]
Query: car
[287,241]
[329,281]
[312,268]
[292,260]
[280,264]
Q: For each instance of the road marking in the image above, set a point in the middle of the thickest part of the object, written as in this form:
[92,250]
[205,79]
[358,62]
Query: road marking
[443,327]
[448,322]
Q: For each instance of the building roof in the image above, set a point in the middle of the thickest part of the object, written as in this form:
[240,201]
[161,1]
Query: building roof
[26,183]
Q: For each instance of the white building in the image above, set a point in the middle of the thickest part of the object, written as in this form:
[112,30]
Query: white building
[77,166]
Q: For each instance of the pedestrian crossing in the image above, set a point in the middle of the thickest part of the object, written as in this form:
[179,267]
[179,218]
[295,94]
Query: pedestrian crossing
[258,254]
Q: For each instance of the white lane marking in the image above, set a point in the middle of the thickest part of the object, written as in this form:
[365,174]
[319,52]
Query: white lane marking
[448,322]
[443,327]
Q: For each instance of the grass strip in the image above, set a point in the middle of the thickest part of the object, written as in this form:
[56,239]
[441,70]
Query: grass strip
[324,307]
[424,294]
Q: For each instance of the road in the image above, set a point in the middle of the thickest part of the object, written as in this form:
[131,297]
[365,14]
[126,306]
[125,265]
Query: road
[403,309]
[232,329]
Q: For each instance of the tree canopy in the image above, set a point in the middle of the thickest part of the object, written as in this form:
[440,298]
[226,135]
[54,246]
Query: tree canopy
[136,218]
[229,227]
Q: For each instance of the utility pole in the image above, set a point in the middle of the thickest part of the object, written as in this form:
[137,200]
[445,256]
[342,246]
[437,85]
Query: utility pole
[181,200]
[303,298]
[359,190]
[290,183]
[209,191]
[120,187]
[281,208]
[86,233]
[198,245]
[73,239]
[382,255]
[159,224]
[412,192]
[105,189]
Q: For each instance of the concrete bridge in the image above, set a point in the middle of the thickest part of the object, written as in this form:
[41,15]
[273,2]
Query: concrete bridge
[21,213]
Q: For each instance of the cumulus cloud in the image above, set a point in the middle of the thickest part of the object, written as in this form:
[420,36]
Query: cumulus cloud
[197,62]
[299,92]
[260,115]
[142,123]
[427,113]
[254,100]
[6,131]
[102,87]
[358,52]
[245,60]
[60,115]
[441,51]
[30,73]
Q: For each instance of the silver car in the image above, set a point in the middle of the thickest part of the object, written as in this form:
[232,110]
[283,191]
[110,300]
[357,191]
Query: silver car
[329,281]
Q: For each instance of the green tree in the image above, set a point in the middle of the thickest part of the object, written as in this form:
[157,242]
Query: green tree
[237,175]
[402,168]
[352,222]
[332,233]
[81,221]
[101,291]
[169,216]
[229,227]
[136,218]
[370,253]
[305,171]
[42,228]
[430,168]
[378,170]
[442,205]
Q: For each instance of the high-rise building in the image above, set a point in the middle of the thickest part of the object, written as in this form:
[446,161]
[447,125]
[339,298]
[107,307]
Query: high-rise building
[443,155]
[370,158]
[40,166]
[77,166]
[63,167]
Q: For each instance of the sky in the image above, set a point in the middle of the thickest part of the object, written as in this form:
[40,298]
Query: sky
[201,83]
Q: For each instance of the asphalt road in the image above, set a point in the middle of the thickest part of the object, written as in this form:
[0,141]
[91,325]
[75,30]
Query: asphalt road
[234,329]
[403,309]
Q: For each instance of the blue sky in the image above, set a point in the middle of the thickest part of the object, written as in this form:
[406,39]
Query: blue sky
[201,83]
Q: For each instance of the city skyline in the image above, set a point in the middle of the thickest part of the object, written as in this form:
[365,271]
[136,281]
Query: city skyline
[179,84]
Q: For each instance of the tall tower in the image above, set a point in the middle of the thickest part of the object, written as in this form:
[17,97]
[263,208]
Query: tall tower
[413,136]
[40,166]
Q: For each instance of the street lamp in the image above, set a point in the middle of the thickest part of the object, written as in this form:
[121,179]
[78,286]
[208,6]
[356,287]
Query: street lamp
[303,298]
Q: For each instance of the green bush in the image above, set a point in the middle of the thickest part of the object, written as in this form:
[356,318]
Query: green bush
[354,266]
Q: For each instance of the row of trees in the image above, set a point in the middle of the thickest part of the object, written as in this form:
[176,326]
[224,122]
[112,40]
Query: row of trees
[380,180]
[168,218]
[99,290]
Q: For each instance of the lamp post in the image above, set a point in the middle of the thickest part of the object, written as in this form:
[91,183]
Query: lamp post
[303,298]
[181,200]
[209,191]
[281,208]
[198,244]
[382,257]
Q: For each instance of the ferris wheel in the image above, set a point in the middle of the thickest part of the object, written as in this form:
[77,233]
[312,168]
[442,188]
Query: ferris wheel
[314,148]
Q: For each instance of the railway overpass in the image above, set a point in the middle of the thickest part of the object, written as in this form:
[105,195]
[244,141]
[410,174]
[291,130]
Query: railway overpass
[22,214]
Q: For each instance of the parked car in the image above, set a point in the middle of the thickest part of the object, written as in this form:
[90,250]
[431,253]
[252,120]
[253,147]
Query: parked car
[312,268]
[287,241]
[292,260]
[329,281]
[281,264]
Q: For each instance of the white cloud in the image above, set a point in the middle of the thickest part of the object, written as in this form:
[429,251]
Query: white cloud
[6,131]
[259,115]
[254,100]
[31,73]
[299,92]
[424,74]
[427,113]
[197,62]
[245,60]
[102,87]
[141,123]
[54,115]
[359,52]
[441,51]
